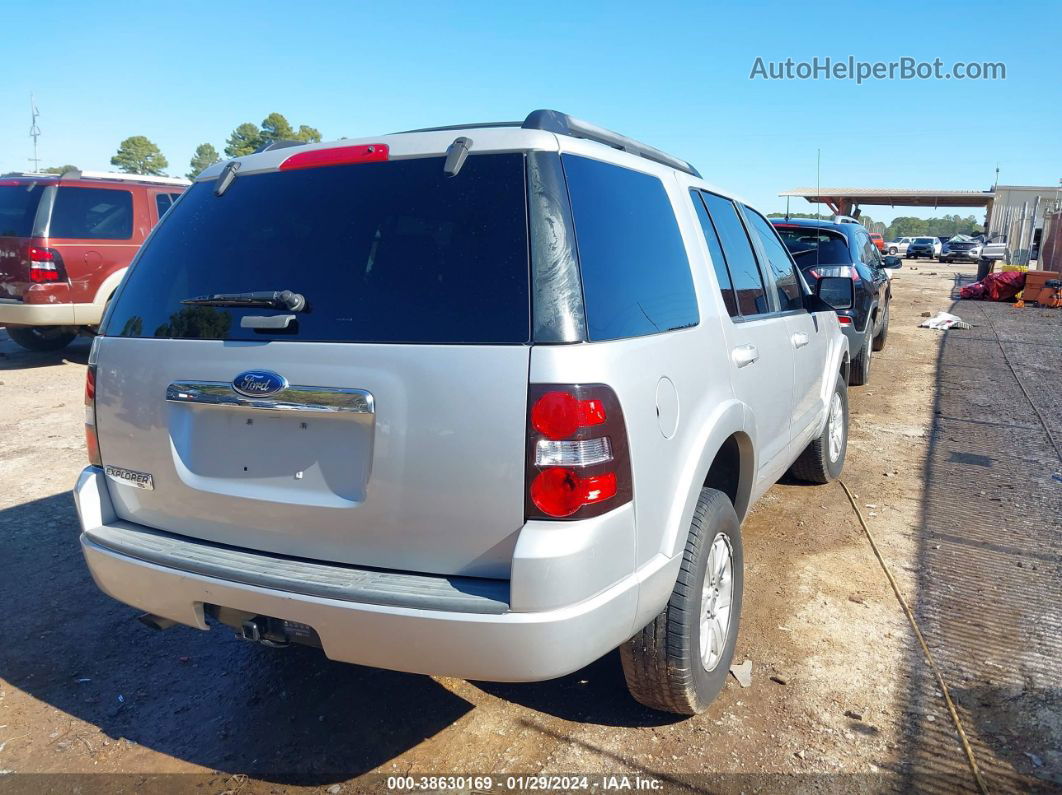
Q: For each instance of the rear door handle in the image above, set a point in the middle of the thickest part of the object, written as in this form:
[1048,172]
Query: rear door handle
[800,339]
[744,355]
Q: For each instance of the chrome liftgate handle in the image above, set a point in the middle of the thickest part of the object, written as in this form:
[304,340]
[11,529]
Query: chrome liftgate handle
[316,399]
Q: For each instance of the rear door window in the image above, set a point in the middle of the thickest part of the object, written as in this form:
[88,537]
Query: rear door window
[92,214]
[783,272]
[748,282]
[635,270]
[383,252]
[18,207]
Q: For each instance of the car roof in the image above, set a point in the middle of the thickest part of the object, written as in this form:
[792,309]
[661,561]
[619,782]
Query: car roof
[832,226]
[542,130]
[95,178]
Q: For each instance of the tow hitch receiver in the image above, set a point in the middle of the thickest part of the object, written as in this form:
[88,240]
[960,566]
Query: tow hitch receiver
[277,633]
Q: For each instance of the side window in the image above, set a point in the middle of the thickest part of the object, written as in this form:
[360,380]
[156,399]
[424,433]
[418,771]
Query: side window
[783,271]
[635,270]
[741,261]
[163,201]
[864,245]
[92,213]
[722,275]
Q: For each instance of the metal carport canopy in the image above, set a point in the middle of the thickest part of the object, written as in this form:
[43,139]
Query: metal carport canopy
[843,200]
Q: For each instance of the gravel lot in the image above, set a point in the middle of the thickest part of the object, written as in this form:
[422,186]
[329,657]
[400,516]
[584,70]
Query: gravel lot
[952,464]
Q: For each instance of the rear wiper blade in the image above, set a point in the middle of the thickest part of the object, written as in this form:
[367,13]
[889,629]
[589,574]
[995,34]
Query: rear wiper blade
[274,299]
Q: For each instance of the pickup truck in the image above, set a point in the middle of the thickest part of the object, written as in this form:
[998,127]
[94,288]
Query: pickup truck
[995,250]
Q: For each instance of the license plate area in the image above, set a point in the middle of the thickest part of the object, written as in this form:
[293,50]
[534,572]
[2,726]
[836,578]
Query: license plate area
[305,458]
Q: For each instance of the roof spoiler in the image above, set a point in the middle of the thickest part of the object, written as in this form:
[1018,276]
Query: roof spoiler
[563,124]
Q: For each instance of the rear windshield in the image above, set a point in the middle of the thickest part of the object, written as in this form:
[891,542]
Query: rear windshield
[18,207]
[811,247]
[925,240]
[383,252]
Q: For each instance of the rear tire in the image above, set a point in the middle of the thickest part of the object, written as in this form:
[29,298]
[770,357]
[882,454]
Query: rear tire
[666,665]
[823,459]
[41,339]
[859,374]
[883,332]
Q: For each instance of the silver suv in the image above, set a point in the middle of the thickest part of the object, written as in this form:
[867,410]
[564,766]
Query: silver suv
[485,402]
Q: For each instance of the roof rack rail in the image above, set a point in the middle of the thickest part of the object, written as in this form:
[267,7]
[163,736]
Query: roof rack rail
[279,143]
[563,124]
[472,126]
[125,177]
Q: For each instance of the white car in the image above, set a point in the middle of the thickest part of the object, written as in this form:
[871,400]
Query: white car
[898,246]
[996,249]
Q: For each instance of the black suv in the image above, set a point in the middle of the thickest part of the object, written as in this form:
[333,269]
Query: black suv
[824,248]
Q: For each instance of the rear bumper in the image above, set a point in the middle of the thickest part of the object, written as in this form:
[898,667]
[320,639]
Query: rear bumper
[856,337]
[502,645]
[17,313]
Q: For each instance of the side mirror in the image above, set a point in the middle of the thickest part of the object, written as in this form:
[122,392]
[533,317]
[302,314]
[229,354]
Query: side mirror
[837,292]
[891,262]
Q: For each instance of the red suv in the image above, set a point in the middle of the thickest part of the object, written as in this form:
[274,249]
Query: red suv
[878,241]
[65,243]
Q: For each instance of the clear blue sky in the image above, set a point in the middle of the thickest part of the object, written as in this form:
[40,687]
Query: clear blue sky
[673,75]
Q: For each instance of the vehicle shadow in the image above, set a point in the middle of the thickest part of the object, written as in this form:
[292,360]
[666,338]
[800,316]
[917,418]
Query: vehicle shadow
[988,573]
[284,715]
[14,357]
[596,694]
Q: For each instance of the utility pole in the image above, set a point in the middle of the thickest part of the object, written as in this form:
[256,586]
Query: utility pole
[35,133]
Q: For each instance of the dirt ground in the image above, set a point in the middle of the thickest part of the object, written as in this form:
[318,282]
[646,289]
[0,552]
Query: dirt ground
[953,458]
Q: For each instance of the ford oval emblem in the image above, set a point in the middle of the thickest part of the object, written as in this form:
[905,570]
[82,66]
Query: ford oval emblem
[259,383]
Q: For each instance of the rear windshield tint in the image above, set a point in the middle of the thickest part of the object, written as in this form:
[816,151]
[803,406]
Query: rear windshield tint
[18,207]
[382,252]
[811,247]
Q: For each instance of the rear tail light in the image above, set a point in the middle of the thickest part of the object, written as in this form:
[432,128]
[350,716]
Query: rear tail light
[578,464]
[92,442]
[559,414]
[45,264]
[559,492]
[844,320]
[336,156]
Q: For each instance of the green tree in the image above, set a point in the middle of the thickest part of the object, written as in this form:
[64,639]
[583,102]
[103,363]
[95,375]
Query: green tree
[945,226]
[275,128]
[244,140]
[247,138]
[138,155]
[205,156]
[59,169]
